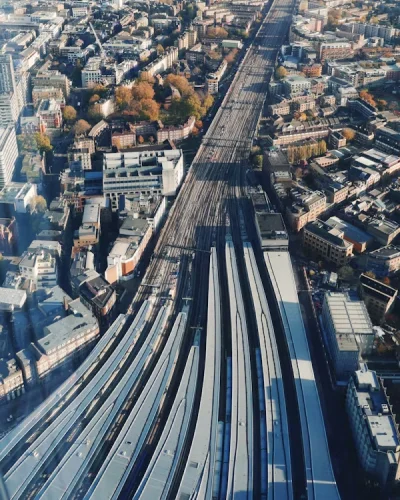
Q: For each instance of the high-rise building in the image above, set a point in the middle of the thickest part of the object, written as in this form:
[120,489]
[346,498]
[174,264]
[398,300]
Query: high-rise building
[7,77]
[8,154]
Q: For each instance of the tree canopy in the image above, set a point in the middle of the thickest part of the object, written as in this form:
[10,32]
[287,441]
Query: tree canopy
[38,204]
[180,83]
[43,142]
[348,133]
[217,32]
[69,114]
[82,127]
[142,90]
[280,73]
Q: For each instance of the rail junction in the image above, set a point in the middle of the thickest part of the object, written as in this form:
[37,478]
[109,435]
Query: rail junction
[183,398]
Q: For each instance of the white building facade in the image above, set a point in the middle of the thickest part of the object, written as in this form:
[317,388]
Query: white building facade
[8,154]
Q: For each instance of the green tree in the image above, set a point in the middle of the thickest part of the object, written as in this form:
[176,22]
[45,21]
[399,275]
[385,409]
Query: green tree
[69,114]
[208,101]
[82,127]
[43,142]
[258,161]
[94,115]
[99,89]
[346,273]
[322,147]
[280,73]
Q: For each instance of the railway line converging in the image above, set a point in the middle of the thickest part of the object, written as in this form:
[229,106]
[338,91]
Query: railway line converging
[187,398]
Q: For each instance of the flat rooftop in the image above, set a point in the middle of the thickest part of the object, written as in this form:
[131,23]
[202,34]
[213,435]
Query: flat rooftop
[387,252]
[350,231]
[376,409]
[91,214]
[349,317]
[12,298]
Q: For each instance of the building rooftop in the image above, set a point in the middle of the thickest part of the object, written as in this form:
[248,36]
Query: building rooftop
[13,189]
[384,226]
[377,288]
[271,226]
[97,290]
[10,298]
[53,247]
[387,252]
[74,324]
[54,301]
[350,231]
[349,317]
[327,232]
[375,406]
[91,214]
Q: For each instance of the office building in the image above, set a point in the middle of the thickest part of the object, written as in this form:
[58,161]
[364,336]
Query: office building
[378,297]
[383,230]
[306,207]
[7,77]
[359,238]
[384,261]
[213,79]
[328,242]
[142,172]
[40,267]
[348,332]
[16,197]
[9,109]
[8,154]
[374,428]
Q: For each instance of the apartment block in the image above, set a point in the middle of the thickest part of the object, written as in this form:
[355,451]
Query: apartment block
[296,85]
[50,113]
[384,261]
[213,79]
[39,93]
[335,50]
[378,297]
[306,207]
[374,428]
[327,242]
[52,78]
[8,154]
[162,63]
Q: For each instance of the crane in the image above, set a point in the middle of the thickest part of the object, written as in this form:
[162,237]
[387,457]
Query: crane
[102,52]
